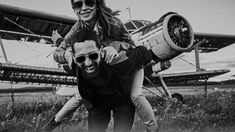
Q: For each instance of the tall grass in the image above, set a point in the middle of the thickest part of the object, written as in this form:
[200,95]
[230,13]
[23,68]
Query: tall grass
[197,114]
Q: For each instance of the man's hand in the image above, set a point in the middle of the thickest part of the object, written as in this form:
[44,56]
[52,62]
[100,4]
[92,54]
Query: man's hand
[109,53]
[55,36]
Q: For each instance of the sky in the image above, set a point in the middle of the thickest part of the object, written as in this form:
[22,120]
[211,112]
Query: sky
[207,16]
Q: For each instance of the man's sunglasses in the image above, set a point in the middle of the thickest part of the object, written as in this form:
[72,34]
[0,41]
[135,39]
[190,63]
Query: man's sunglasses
[79,4]
[92,56]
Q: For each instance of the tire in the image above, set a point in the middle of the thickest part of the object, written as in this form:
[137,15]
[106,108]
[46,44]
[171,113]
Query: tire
[178,97]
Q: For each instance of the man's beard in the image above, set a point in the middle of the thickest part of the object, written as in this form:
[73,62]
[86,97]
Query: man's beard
[92,74]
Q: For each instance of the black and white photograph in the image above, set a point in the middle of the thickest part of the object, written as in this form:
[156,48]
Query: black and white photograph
[117,66]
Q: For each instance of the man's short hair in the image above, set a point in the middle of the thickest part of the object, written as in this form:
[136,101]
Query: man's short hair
[84,35]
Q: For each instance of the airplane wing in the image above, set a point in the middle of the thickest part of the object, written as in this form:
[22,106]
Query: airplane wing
[213,42]
[187,77]
[18,22]
[32,74]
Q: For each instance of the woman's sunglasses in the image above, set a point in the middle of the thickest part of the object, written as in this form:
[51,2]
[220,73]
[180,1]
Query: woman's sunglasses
[79,4]
[92,56]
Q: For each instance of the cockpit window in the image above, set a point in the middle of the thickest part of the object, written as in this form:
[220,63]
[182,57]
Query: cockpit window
[130,26]
[138,24]
[135,25]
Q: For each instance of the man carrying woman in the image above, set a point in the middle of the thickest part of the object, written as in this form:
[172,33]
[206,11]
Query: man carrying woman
[94,15]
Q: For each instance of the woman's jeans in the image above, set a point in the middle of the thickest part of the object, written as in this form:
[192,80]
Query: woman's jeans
[142,106]
[69,107]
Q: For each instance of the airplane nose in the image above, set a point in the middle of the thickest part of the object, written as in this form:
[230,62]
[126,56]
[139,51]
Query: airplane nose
[179,31]
[172,36]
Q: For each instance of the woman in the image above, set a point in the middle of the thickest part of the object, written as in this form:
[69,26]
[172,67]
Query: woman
[95,15]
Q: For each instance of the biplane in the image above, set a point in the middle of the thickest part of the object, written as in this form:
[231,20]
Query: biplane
[172,33]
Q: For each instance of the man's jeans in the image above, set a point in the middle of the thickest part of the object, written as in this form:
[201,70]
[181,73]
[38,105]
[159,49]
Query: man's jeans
[100,114]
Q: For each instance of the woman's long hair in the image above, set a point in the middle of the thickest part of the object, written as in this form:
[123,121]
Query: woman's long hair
[106,17]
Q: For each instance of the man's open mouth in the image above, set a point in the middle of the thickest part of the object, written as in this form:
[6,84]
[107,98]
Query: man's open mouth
[90,69]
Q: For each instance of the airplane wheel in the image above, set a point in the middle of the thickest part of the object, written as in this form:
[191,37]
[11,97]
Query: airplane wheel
[177,97]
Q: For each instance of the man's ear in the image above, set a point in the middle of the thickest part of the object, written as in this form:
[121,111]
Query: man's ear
[74,59]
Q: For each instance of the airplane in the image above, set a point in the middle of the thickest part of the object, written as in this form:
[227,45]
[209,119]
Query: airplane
[172,33]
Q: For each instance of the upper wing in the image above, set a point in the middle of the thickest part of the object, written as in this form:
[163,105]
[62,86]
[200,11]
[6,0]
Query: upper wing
[186,77]
[18,22]
[213,42]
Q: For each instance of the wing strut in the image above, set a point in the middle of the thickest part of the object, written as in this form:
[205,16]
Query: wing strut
[3,51]
[26,34]
[164,87]
[198,68]
[20,26]
[197,59]
[159,92]
[9,20]
[205,88]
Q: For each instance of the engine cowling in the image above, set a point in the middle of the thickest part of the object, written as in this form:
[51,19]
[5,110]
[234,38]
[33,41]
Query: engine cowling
[170,36]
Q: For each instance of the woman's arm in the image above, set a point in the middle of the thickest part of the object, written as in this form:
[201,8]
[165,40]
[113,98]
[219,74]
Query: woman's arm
[63,44]
[121,34]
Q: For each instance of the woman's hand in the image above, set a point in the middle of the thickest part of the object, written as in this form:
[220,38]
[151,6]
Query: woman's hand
[55,36]
[109,53]
[69,57]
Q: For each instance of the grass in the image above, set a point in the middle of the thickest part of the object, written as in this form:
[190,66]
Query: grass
[216,113]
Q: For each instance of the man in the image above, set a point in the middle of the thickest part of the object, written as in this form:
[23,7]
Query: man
[95,86]
[106,85]
[98,80]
